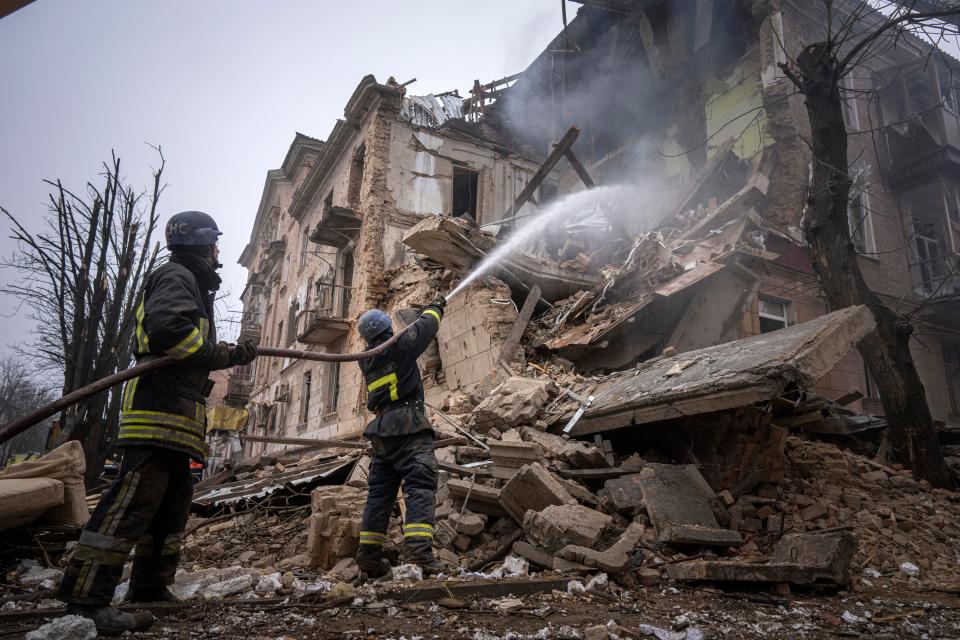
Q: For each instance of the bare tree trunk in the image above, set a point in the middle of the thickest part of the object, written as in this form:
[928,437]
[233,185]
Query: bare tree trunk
[912,439]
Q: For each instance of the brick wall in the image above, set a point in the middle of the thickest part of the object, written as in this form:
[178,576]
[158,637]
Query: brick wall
[474,328]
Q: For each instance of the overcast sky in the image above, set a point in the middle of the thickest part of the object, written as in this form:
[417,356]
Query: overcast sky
[221,85]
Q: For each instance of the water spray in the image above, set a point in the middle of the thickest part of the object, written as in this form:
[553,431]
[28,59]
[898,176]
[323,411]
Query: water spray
[555,212]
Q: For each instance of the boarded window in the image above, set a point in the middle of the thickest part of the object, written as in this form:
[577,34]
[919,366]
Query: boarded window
[465,183]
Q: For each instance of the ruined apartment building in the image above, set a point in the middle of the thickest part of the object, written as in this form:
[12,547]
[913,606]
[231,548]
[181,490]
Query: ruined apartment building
[680,106]
[326,246]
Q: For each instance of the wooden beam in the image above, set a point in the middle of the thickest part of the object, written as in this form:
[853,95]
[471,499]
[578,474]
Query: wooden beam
[580,169]
[559,150]
[520,325]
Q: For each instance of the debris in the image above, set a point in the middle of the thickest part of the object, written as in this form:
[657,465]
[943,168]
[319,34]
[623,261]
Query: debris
[407,573]
[66,465]
[508,457]
[557,526]
[532,488]
[515,402]
[613,559]
[679,502]
[910,569]
[65,628]
[24,500]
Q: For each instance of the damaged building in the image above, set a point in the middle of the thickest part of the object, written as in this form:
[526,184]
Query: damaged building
[694,139]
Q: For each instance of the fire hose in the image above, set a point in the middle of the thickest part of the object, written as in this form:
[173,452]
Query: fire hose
[24,423]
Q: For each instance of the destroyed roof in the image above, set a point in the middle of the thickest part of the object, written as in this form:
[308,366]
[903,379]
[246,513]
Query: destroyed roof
[725,376]
[432,110]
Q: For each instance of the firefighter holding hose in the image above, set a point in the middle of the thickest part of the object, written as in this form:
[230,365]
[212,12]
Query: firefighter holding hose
[162,428]
[402,441]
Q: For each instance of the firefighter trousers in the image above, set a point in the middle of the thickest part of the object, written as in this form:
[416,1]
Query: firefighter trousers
[145,509]
[408,460]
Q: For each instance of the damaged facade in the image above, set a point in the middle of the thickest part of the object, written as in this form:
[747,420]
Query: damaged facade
[694,131]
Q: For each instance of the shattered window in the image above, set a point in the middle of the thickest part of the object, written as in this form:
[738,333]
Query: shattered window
[773,315]
[305,399]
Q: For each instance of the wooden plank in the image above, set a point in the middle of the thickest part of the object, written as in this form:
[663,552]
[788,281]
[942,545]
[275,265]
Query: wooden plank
[512,342]
[309,442]
[464,472]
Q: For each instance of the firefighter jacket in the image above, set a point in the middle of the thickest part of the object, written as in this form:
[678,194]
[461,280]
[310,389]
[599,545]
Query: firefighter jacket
[394,386]
[166,408]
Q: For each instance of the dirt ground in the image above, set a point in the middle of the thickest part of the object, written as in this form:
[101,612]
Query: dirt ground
[882,612]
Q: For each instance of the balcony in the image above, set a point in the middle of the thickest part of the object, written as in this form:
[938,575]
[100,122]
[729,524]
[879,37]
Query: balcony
[338,227]
[238,389]
[321,326]
[251,326]
[272,256]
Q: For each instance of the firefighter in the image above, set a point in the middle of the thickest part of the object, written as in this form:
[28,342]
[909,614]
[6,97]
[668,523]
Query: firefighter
[162,428]
[402,442]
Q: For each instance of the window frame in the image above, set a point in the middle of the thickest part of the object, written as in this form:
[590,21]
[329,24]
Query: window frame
[761,315]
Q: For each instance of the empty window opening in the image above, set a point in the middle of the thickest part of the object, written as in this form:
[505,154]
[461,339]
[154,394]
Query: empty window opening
[347,282]
[465,182]
[305,398]
[773,315]
[292,321]
[848,97]
[333,387]
[356,177]
[861,221]
[280,333]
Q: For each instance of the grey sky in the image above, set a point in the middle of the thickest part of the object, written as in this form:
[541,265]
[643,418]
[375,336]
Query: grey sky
[222,86]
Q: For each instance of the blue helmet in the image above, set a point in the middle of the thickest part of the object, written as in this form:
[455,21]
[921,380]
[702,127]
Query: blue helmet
[372,323]
[191,229]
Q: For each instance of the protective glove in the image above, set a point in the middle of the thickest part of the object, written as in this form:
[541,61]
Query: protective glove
[220,358]
[243,353]
[440,301]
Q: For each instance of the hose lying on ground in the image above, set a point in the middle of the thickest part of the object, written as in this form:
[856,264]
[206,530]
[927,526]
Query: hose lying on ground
[24,423]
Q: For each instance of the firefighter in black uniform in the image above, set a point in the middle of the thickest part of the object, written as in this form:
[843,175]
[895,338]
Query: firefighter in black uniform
[162,427]
[402,441]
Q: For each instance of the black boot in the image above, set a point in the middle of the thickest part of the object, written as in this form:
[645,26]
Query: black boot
[111,621]
[371,561]
[421,554]
[160,594]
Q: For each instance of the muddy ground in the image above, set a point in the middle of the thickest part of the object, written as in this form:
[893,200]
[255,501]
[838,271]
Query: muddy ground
[881,612]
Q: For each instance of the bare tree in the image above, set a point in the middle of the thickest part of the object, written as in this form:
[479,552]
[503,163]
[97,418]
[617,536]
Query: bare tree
[857,31]
[81,277]
[20,395]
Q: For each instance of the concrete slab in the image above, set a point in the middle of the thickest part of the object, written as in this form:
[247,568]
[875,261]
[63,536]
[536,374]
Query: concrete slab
[678,501]
[532,488]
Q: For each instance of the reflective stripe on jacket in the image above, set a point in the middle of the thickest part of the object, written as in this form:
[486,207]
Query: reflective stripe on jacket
[393,378]
[166,408]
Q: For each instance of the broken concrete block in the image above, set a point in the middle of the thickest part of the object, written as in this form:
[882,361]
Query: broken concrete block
[509,456]
[545,559]
[516,401]
[468,524]
[803,559]
[679,502]
[532,488]
[580,455]
[625,494]
[828,553]
[480,498]
[23,500]
[557,526]
[614,559]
